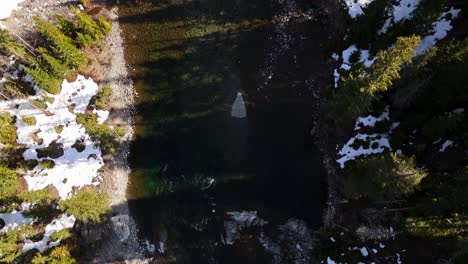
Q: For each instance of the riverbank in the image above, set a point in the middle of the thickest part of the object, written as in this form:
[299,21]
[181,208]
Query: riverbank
[114,239]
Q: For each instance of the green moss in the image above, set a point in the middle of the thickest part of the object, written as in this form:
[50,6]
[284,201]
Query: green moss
[58,129]
[47,98]
[30,164]
[38,103]
[7,129]
[29,120]
[47,164]
[53,151]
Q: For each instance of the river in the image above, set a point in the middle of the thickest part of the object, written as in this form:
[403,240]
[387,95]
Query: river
[223,158]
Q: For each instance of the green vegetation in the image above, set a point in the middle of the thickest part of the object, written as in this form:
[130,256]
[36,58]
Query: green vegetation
[60,235]
[39,196]
[9,248]
[53,151]
[9,184]
[8,46]
[88,204]
[100,133]
[58,129]
[102,97]
[389,176]
[29,120]
[61,46]
[7,129]
[47,164]
[361,87]
[38,103]
[58,255]
[87,30]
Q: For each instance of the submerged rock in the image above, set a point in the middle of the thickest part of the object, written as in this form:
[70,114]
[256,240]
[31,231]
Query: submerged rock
[240,221]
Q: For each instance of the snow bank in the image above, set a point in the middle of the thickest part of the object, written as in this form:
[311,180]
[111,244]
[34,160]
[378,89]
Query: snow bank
[73,169]
[439,31]
[56,225]
[356,8]
[401,11]
[7,6]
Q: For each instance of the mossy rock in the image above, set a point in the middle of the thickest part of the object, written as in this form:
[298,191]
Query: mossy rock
[47,164]
[79,145]
[30,164]
[29,120]
[53,151]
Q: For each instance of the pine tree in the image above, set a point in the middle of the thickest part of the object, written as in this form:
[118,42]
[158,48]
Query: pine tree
[44,79]
[88,31]
[66,26]
[61,45]
[387,176]
[362,86]
[87,204]
[53,66]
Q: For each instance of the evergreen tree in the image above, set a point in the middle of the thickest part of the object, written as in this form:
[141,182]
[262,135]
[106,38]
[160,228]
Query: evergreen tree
[9,248]
[61,45]
[387,176]
[44,79]
[53,66]
[66,26]
[88,31]
[8,133]
[361,87]
[9,46]
[87,204]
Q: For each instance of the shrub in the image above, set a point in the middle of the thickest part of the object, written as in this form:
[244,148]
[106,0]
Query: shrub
[60,235]
[39,196]
[38,103]
[99,133]
[9,184]
[29,120]
[102,97]
[47,164]
[29,164]
[9,248]
[58,255]
[47,98]
[87,204]
[7,129]
[19,88]
[387,176]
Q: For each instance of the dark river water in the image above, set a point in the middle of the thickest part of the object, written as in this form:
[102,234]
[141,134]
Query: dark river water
[193,160]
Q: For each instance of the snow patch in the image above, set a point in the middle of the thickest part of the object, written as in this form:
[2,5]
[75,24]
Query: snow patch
[356,8]
[56,225]
[15,218]
[445,145]
[401,11]
[7,7]
[379,141]
[439,31]
[370,120]
[73,169]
